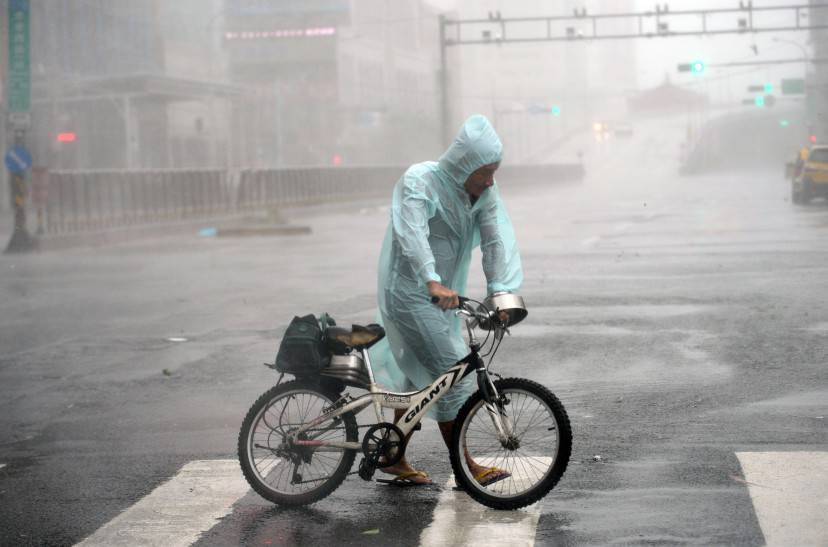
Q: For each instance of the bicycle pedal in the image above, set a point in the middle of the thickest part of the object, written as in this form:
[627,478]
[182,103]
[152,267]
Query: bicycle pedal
[366,472]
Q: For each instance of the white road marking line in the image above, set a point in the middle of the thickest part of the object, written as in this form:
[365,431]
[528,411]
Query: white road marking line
[590,241]
[459,520]
[788,490]
[178,511]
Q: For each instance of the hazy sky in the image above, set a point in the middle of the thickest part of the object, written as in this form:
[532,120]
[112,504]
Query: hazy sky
[658,57]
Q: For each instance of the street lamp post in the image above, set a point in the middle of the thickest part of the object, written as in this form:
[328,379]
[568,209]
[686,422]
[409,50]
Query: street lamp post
[802,49]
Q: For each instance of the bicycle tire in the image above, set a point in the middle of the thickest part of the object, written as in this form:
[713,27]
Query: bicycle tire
[512,389]
[258,414]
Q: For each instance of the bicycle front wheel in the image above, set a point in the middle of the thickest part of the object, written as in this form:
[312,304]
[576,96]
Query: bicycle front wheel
[528,458]
[284,472]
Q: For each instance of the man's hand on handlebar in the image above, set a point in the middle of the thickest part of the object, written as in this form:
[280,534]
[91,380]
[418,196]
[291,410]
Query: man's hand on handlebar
[447,298]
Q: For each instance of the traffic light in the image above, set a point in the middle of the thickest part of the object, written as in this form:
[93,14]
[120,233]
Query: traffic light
[696,67]
[764,88]
[759,100]
[66,137]
[556,110]
[813,139]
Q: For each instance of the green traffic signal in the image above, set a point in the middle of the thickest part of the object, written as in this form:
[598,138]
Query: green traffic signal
[759,100]
[696,67]
[768,88]
[556,110]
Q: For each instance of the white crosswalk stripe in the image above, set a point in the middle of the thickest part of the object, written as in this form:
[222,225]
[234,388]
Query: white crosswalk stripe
[189,504]
[789,491]
[459,520]
[178,511]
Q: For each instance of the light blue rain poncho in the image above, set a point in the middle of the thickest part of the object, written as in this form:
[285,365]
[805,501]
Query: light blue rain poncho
[432,232]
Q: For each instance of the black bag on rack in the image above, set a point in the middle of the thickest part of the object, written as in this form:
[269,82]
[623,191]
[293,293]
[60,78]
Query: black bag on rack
[302,351]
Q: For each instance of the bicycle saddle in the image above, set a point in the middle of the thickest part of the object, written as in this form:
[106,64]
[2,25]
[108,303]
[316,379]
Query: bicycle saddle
[340,340]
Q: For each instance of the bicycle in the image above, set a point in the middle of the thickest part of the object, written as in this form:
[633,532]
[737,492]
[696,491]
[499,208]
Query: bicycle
[299,440]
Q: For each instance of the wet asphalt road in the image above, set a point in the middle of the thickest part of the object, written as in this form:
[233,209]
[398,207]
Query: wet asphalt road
[680,320]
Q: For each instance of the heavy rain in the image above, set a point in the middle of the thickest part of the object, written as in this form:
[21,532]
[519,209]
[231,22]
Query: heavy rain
[413,272]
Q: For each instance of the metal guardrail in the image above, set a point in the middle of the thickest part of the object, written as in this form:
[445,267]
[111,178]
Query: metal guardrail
[268,187]
[82,201]
[92,200]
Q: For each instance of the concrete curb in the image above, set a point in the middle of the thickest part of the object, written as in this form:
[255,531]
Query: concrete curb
[222,228]
[253,231]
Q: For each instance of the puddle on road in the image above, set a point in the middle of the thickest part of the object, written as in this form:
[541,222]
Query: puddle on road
[807,405]
[590,313]
[609,378]
[819,327]
[663,372]
[683,357]
[625,218]
[805,399]
[538,331]
[586,320]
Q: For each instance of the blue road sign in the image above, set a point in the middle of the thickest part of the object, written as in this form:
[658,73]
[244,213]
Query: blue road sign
[18,159]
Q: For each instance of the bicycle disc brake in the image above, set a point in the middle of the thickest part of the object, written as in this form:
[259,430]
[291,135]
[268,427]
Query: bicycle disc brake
[383,442]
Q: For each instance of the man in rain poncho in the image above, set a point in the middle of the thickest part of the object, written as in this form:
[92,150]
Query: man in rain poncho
[439,213]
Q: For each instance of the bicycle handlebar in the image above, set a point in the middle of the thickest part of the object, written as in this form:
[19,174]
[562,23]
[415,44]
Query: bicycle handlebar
[483,316]
[462,299]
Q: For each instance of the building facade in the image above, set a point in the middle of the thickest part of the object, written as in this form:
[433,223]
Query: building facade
[333,82]
[128,84]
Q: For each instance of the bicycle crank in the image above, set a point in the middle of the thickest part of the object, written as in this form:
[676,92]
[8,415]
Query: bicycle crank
[383,445]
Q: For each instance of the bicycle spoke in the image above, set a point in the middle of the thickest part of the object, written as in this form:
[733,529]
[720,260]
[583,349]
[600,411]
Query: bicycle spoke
[529,461]
[532,421]
[267,437]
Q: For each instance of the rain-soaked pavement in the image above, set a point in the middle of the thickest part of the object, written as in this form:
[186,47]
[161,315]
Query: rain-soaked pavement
[682,321]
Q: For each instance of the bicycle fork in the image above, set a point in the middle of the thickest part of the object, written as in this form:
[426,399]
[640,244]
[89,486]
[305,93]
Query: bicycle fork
[495,405]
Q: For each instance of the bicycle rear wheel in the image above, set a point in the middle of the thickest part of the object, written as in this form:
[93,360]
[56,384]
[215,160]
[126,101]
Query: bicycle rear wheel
[533,458]
[284,473]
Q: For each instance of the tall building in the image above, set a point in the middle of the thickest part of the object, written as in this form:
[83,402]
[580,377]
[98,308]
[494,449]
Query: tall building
[128,84]
[333,82]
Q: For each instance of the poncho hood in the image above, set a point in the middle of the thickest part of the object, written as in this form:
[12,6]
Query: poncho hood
[475,145]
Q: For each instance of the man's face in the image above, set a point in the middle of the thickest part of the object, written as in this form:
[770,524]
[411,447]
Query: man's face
[481,179]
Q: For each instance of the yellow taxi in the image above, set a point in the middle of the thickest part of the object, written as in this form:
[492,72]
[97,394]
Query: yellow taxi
[812,181]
